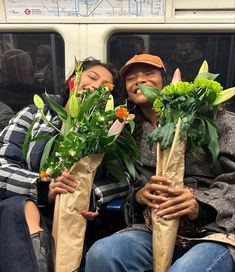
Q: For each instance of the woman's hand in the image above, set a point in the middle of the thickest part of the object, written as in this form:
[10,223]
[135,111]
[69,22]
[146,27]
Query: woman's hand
[154,192]
[65,183]
[90,215]
[180,202]
[168,202]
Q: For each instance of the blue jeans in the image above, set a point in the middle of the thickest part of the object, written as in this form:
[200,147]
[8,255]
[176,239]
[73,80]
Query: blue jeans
[16,248]
[132,252]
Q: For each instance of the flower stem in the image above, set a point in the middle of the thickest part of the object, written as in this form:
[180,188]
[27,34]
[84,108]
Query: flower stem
[45,118]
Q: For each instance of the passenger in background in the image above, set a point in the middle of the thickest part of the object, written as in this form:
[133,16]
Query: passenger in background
[6,113]
[186,57]
[17,88]
[45,77]
[134,45]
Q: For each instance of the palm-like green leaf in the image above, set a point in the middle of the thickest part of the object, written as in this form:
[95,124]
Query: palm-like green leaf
[128,162]
[47,151]
[212,137]
[27,136]
[57,108]
[150,93]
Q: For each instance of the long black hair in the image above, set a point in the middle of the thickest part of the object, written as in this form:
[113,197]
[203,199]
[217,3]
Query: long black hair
[87,64]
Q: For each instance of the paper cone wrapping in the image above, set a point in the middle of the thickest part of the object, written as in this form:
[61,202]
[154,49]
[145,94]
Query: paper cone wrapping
[69,225]
[170,163]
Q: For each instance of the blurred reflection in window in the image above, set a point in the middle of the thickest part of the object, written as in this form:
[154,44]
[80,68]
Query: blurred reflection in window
[180,50]
[18,82]
[125,47]
[43,69]
[34,64]
[186,57]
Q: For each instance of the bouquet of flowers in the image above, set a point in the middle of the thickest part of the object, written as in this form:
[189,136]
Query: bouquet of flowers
[92,131]
[186,114]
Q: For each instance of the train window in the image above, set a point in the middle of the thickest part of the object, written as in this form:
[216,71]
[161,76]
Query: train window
[186,51]
[30,63]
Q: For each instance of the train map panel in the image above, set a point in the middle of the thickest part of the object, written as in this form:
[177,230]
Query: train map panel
[85,8]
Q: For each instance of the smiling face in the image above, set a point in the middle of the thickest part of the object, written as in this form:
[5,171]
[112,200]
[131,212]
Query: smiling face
[145,74]
[94,77]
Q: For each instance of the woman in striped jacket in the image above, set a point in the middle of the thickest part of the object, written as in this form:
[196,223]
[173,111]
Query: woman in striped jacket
[25,204]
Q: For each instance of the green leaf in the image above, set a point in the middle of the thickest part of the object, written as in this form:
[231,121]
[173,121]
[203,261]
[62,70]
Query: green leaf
[47,150]
[211,97]
[27,137]
[62,113]
[107,140]
[150,93]
[167,135]
[67,125]
[132,125]
[128,162]
[127,142]
[208,76]
[213,138]
[163,135]
[41,137]
[112,164]
[88,103]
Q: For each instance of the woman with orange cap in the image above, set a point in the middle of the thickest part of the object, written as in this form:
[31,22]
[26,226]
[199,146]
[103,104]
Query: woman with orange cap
[208,207]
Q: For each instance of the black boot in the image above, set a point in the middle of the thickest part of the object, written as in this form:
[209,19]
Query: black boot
[44,250]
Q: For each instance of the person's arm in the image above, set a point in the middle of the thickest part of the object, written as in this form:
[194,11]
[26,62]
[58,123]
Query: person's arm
[15,177]
[217,204]
[220,196]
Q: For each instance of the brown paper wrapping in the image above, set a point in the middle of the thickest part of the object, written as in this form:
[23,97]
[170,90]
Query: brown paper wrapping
[170,163]
[69,225]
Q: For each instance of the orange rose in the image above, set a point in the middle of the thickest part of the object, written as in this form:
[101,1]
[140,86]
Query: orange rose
[43,175]
[109,86]
[122,113]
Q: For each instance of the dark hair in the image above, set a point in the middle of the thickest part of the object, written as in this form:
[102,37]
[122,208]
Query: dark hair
[87,64]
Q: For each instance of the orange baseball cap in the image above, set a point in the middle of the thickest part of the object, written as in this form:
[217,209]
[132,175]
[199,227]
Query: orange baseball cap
[142,58]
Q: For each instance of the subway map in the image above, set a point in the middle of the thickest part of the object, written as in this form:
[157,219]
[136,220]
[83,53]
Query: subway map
[84,8]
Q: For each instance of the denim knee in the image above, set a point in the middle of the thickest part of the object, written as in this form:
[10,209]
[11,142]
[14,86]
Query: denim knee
[205,256]
[128,251]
